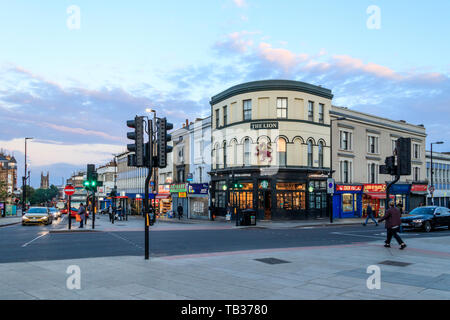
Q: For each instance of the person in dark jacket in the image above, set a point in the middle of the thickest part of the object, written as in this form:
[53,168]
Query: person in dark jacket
[180,211]
[369,212]
[82,213]
[393,222]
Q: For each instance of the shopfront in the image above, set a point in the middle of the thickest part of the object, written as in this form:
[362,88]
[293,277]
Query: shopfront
[347,201]
[401,193]
[286,195]
[164,199]
[375,195]
[418,196]
[198,195]
[178,192]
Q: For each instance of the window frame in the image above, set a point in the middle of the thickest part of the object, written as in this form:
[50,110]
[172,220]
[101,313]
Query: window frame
[310,110]
[247,112]
[283,109]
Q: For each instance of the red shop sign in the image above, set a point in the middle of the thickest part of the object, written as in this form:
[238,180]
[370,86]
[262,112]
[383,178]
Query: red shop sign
[348,188]
[419,188]
[374,188]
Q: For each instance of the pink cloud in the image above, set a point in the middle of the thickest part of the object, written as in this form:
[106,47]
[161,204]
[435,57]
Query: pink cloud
[283,57]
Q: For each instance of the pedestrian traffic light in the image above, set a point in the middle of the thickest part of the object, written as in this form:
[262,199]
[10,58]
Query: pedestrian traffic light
[403,148]
[138,146]
[162,139]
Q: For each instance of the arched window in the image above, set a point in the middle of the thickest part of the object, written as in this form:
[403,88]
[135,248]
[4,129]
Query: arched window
[217,157]
[235,159]
[224,154]
[321,154]
[310,153]
[281,151]
[246,152]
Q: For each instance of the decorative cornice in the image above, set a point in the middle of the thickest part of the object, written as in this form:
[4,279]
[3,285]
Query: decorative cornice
[269,85]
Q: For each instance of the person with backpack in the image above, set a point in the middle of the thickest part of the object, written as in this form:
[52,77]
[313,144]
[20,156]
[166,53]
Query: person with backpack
[82,214]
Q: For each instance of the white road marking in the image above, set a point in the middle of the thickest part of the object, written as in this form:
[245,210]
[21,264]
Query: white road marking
[42,235]
[354,235]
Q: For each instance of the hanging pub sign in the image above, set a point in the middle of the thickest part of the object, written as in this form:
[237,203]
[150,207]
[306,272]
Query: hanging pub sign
[264,125]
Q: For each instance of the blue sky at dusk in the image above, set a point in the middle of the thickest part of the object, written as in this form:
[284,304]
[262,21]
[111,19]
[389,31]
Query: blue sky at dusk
[73,90]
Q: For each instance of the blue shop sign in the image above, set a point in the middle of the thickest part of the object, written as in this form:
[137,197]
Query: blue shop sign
[400,189]
[198,188]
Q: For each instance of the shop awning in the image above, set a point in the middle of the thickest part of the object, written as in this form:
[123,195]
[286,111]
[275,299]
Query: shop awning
[163,196]
[375,195]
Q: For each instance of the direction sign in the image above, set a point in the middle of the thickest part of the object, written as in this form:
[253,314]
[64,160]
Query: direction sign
[69,190]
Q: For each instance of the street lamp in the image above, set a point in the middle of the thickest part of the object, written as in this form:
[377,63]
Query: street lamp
[431,171]
[24,181]
[330,175]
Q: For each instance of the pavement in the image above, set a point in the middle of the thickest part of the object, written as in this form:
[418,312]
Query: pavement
[136,223]
[337,272]
[10,220]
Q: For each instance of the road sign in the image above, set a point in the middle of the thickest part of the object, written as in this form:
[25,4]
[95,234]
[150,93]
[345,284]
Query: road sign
[330,186]
[431,189]
[69,190]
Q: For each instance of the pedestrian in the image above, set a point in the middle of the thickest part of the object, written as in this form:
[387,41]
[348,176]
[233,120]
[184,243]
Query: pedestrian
[81,213]
[369,212]
[393,222]
[119,209]
[180,211]
[110,212]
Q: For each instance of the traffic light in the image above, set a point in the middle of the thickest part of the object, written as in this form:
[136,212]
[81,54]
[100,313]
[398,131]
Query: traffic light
[389,167]
[162,139]
[138,146]
[91,183]
[237,185]
[403,148]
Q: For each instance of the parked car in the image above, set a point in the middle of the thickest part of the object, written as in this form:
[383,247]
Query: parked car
[55,212]
[37,215]
[427,218]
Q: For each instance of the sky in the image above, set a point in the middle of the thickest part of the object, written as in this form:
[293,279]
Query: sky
[72,72]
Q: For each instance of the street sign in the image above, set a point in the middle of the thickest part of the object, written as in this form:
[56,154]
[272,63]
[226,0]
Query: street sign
[69,190]
[330,186]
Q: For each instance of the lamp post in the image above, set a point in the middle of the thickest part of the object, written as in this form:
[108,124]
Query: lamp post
[24,182]
[431,171]
[330,175]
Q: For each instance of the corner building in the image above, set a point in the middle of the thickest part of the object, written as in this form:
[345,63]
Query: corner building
[273,137]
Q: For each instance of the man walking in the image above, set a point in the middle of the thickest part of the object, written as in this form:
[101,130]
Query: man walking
[393,222]
[369,212]
[81,213]
[180,211]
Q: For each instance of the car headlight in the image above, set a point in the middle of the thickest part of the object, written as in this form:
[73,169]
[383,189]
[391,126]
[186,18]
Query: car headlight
[25,218]
[418,221]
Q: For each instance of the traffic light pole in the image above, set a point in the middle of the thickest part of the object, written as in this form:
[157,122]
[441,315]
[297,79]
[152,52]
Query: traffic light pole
[146,197]
[69,212]
[388,188]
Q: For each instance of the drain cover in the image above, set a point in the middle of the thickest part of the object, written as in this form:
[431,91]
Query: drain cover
[395,263]
[272,261]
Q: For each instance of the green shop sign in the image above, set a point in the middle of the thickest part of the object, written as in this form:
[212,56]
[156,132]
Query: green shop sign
[178,187]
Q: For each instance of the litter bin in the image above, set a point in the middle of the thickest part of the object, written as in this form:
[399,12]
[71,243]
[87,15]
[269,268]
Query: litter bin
[248,217]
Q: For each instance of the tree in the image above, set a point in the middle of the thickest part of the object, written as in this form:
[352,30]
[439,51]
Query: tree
[3,191]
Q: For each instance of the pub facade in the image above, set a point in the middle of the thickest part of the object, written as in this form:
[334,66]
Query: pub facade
[271,149]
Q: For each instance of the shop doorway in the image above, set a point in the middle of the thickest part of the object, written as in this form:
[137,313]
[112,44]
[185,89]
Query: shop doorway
[265,204]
